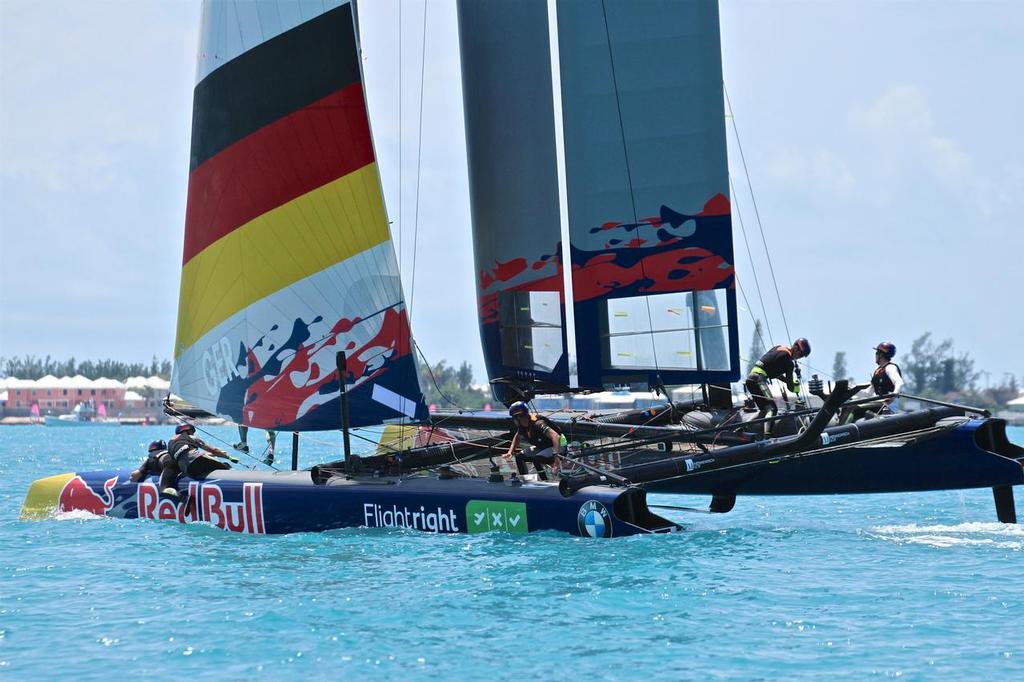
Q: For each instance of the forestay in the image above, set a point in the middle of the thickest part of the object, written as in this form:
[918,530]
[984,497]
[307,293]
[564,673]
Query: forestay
[647,191]
[288,257]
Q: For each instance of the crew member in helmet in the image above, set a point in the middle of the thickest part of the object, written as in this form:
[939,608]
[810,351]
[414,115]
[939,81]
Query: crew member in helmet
[154,463]
[541,434]
[886,380]
[192,456]
[778,363]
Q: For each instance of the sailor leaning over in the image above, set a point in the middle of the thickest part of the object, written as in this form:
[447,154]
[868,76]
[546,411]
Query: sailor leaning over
[190,456]
[777,363]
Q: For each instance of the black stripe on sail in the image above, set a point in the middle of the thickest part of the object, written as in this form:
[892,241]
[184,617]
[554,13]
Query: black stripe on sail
[273,79]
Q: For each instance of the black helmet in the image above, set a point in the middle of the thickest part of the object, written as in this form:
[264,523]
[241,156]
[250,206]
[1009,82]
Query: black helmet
[157,445]
[185,428]
[518,407]
[887,349]
[803,345]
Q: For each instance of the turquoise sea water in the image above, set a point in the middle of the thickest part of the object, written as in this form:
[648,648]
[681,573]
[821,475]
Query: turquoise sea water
[922,586]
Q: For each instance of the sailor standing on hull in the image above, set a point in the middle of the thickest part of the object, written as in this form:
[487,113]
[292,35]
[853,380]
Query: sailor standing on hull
[188,454]
[778,363]
[540,433]
[243,443]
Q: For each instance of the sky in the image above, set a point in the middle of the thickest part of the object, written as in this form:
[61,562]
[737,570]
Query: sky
[882,141]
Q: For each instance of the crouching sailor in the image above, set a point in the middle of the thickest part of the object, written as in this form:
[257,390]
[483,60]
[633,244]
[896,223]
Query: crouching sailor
[886,380]
[191,457]
[778,363]
[157,461]
[541,434]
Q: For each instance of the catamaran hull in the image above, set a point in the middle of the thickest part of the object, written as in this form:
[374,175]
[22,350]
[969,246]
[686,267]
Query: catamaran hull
[975,454]
[289,502]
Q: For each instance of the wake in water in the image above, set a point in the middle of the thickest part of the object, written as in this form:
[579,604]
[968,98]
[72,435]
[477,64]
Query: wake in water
[999,535]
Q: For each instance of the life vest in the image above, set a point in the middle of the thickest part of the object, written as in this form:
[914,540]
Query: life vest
[775,363]
[881,382]
[180,444]
[536,432]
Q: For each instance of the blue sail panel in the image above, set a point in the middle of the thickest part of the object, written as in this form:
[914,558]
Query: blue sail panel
[510,140]
[647,191]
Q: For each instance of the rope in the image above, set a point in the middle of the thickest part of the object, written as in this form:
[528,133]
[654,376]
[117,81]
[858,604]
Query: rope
[184,419]
[419,165]
[629,178]
[753,270]
[757,213]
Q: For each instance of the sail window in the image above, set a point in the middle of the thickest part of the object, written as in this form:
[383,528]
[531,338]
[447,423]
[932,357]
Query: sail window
[676,331]
[531,329]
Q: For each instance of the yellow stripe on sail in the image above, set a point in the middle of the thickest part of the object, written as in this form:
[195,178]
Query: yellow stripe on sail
[308,234]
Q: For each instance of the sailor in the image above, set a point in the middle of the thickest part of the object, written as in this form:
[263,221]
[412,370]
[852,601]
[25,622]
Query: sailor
[886,380]
[154,463]
[778,363]
[187,453]
[243,443]
[541,434]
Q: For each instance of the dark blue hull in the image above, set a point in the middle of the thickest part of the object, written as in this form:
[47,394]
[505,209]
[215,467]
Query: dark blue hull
[968,456]
[289,502]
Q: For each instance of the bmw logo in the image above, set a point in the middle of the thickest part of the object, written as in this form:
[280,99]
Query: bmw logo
[594,520]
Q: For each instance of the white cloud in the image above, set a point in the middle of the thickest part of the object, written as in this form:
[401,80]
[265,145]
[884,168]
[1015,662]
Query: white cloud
[904,143]
[901,110]
[820,170]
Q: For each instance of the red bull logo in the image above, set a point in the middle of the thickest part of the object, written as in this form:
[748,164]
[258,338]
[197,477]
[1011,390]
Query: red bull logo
[206,504]
[77,495]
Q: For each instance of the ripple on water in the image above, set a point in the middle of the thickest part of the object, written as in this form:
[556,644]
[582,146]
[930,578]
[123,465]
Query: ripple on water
[897,585]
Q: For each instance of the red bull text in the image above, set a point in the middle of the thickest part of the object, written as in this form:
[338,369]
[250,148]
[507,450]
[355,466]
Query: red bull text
[206,504]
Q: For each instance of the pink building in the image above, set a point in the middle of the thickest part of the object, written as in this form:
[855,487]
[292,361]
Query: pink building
[139,396]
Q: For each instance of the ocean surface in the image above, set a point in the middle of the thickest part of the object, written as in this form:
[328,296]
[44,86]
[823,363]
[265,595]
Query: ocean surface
[916,586]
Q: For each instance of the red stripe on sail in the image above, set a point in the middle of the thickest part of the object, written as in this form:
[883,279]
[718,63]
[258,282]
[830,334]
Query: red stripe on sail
[294,155]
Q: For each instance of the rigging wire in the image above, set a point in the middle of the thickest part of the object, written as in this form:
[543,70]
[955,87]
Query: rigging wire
[753,270]
[760,336]
[433,379]
[757,213]
[419,165]
[185,419]
[399,135]
[629,178]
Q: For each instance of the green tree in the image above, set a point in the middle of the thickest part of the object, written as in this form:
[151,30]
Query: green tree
[757,346]
[935,369]
[448,387]
[31,367]
[839,366]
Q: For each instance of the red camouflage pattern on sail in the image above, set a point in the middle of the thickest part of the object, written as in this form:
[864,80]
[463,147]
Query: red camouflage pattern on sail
[310,377]
[664,266]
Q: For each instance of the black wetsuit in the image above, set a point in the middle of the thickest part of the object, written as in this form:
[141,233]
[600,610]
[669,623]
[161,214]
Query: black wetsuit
[159,462]
[536,433]
[775,364]
[188,454]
